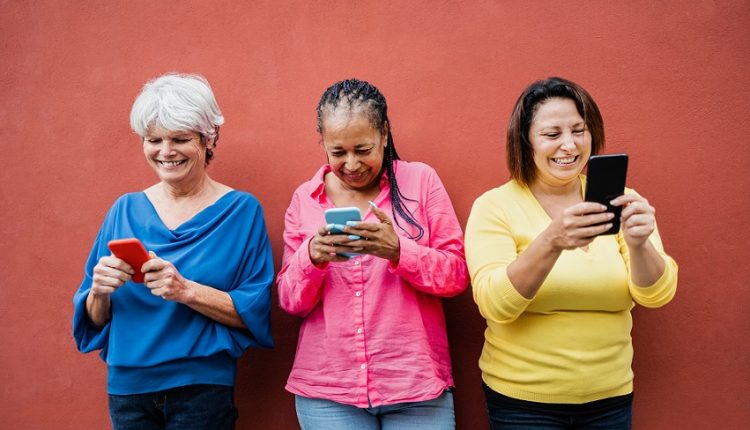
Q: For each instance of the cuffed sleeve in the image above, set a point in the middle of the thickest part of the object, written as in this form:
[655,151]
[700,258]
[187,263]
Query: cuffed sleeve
[299,282]
[490,248]
[438,268]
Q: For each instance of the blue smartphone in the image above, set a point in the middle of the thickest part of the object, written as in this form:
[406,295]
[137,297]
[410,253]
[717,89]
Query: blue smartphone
[337,218]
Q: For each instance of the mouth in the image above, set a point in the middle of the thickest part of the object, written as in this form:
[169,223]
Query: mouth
[355,177]
[565,161]
[170,164]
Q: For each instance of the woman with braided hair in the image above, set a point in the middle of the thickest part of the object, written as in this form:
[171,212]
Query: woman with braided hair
[372,350]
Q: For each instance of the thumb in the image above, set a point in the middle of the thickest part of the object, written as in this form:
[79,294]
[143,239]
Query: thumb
[152,254]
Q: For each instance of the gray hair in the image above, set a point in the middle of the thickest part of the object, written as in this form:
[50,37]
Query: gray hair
[177,102]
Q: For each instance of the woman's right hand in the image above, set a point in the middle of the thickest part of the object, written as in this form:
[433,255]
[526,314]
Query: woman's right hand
[110,273]
[578,225]
[324,247]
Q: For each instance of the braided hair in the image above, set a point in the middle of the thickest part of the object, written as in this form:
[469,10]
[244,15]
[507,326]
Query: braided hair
[364,95]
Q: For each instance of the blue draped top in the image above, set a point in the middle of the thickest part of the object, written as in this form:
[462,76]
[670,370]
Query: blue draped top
[152,344]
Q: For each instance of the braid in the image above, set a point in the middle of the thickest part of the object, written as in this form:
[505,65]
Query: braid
[363,94]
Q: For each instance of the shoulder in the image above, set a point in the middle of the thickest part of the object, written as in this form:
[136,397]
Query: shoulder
[510,191]
[412,168]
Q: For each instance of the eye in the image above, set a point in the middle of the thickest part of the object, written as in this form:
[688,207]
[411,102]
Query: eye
[364,151]
[579,131]
[153,140]
[181,140]
[552,135]
[337,153]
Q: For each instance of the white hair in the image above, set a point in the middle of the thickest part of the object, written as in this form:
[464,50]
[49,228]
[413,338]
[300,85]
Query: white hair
[177,102]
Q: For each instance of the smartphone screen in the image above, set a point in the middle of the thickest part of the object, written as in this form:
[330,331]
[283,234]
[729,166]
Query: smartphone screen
[605,181]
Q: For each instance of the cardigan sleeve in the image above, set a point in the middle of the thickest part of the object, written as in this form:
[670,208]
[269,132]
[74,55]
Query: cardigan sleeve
[490,248]
[663,290]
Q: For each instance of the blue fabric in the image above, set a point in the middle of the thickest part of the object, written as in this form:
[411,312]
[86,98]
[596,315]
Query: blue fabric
[195,407]
[152,344]
[435,414]
[505,413]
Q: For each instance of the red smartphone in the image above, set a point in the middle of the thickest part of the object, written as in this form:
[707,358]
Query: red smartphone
[131,251]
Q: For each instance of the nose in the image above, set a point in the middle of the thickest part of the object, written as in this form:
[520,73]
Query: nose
[166,148]
[352,162]
[569,141]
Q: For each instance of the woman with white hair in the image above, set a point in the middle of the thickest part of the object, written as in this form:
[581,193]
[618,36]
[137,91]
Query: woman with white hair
[171,343]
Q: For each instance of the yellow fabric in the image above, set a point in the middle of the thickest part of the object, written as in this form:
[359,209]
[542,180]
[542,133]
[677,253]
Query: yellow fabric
[571,343]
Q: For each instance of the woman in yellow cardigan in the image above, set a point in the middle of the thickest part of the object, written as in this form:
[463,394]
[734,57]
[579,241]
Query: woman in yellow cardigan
[557,297]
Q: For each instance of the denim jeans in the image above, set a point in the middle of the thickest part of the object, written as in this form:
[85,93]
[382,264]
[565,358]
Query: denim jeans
[512,414]
[320,414]
[192,407]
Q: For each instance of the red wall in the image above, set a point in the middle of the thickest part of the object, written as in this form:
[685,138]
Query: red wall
[671,80]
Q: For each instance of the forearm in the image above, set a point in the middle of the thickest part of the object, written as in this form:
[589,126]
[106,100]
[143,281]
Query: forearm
[441,272]
[529,270]
[215,304]
[646,264]
[98,308]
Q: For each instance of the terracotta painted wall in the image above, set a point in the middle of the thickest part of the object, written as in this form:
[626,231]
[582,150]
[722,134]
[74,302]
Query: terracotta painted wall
[670,77]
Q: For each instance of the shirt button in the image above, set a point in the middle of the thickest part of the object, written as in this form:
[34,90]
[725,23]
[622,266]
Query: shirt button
[358,293]
[356,262]
[362,366]
[359,331]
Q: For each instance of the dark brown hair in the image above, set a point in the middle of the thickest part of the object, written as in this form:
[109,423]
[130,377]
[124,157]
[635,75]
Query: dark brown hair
[520,154]
[361,94]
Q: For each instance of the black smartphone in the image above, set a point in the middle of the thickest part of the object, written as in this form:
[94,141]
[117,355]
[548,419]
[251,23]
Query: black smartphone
[605,180]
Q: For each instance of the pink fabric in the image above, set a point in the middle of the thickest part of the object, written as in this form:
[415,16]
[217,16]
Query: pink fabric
[371,330]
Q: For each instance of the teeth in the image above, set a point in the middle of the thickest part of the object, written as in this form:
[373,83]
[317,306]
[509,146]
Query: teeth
[567,160]
[171,163]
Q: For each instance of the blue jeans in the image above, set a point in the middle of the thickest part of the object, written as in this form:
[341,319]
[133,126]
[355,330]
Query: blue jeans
[512,414]
[320,414]
[192,407]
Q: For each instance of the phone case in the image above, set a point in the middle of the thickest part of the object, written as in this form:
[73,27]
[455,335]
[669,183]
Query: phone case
[130,250]
[339,217]
[605,180]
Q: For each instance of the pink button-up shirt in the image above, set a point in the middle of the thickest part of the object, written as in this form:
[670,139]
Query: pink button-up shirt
[373,332]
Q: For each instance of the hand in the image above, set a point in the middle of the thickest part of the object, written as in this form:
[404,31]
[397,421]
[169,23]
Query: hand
[638,219]
[578,225]
[378,239]
[324,247]
[110,273]
[165,281]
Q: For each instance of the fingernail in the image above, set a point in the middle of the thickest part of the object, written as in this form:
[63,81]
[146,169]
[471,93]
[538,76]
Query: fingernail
[610,215]
[329,226]
[353,237]
[372,204]
[352,223]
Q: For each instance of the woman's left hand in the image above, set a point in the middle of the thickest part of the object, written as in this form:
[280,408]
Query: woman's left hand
[638,219]
[165,281]
[378,239]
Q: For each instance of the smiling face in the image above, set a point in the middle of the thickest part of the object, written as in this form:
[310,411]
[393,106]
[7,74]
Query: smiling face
[354,148]
[177,157]
[561,142]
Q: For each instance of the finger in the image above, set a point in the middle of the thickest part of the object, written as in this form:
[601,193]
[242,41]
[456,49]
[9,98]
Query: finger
[111,272]
[154,265]
[363,228]
[626,199]
[585,208]
[116,263]
[382,216]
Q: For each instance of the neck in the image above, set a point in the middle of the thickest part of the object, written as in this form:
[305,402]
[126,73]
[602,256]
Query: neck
[181,190]
[571,188]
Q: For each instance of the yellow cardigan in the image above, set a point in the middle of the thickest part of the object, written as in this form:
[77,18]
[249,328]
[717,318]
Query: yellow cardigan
[570,343]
